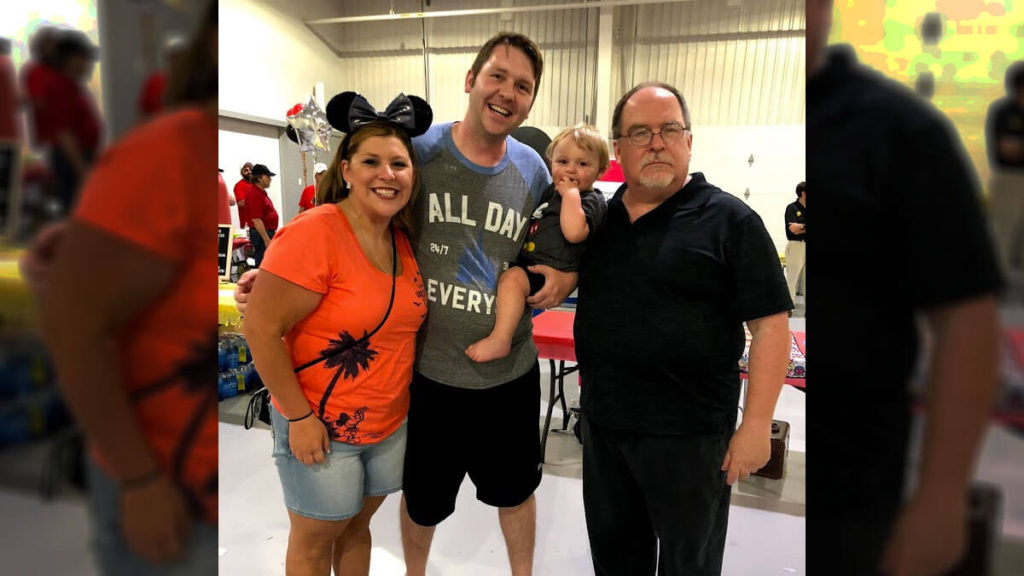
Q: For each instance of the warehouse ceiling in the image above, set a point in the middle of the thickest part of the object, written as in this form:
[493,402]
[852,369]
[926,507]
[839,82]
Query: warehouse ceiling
[396,25]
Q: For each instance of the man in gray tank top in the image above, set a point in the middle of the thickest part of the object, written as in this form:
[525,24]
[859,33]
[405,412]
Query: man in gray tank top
[479,188]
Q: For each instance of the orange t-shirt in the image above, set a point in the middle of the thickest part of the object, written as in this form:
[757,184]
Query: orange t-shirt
[362,394]
[167,353]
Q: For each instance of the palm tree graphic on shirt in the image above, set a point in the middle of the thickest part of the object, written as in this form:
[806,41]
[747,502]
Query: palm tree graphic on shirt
[347,356]
[192,374]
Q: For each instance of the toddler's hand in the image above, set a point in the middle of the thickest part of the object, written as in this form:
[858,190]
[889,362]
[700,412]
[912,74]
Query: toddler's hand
[566,185]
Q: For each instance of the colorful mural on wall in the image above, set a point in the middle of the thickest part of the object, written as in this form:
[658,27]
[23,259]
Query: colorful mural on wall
[974,41]
[19,20]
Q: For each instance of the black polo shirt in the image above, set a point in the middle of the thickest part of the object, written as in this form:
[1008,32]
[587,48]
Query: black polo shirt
[899,230]
[796,213]
[1005,118]
[662,301]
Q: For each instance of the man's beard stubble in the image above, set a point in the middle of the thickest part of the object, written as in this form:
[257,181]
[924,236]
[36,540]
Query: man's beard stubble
[659,180]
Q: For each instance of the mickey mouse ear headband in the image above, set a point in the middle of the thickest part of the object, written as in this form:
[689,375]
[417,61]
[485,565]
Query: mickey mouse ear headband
[348,111]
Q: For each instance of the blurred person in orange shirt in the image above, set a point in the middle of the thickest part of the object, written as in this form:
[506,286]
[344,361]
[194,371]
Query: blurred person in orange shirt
[134,346]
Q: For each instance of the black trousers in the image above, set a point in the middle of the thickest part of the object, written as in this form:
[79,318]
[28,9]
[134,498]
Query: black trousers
[65,186]
[655,501]
[258,246]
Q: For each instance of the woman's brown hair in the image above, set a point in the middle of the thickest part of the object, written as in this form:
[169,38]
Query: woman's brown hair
[332,188]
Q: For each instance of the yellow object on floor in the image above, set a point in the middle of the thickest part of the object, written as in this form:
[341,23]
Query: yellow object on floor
[227,312]
[17,308]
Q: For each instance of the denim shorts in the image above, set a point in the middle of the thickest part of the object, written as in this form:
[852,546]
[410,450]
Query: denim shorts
[335,488]
[114,558]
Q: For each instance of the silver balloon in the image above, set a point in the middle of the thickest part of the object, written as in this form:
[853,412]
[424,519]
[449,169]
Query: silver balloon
[311,127]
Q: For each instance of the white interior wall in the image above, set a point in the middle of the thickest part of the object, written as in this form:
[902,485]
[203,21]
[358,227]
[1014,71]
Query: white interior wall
[236,148]
[722,154]
[447,86]
[269,60]
[381,76]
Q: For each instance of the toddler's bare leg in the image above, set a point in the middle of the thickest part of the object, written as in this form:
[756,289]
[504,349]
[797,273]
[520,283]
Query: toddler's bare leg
[513,288]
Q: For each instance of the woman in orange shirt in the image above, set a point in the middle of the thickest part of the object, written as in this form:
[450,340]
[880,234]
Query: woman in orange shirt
[127,313]
[332,325]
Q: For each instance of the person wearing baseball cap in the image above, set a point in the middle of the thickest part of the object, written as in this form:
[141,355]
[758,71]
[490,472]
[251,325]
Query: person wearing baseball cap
[261,170]
[263,216]
[308,198]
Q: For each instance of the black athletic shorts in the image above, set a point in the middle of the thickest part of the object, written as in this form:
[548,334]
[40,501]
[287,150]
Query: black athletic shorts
[490,434]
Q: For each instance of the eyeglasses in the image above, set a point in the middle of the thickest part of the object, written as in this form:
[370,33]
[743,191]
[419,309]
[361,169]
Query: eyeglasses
[672,132]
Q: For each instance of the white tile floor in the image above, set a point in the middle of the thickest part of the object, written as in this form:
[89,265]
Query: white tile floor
[254,527]
[44,538]
[766,534]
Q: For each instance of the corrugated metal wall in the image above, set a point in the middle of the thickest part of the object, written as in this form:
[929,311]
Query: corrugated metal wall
[736,63]
[378,58]
[568,40]
[381,76]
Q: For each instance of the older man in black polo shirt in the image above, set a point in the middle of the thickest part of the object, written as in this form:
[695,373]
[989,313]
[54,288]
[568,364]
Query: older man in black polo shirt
[664,290]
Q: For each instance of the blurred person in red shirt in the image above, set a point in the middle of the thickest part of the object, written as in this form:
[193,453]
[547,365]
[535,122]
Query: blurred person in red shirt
[308,198]
[241,187]
[262,215]
[152,93]
[224,200]
[8,94]
[72,117]
[133,346]
[36,75]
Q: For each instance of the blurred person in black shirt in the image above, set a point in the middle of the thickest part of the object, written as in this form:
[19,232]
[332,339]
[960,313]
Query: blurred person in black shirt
[1004,138]
[896,200]
[796,247]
